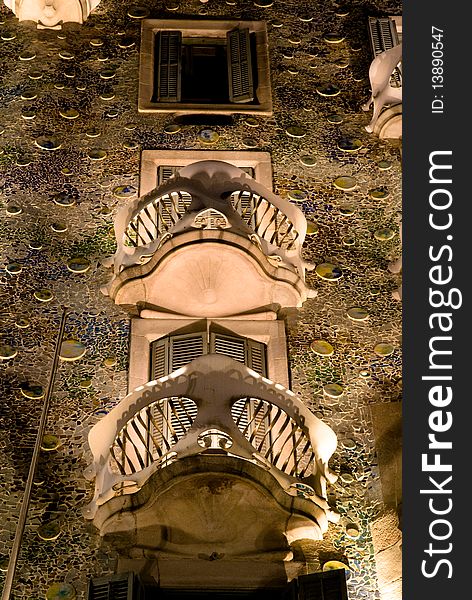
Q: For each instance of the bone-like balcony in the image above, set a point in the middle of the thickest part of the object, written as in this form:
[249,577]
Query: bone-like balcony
[209,203]
[214,407]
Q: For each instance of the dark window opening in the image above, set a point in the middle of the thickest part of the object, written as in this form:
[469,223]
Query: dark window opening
[205,70]
[204,73]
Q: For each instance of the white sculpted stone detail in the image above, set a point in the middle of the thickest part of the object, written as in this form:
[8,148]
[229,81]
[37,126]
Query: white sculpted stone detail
[52,13]
[213,382]
[210,185]
[211,219]
[209,204]
[383,93]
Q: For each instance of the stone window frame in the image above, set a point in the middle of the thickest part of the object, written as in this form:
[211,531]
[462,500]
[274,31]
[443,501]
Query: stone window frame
[151,160]
[266,329]
[207,28]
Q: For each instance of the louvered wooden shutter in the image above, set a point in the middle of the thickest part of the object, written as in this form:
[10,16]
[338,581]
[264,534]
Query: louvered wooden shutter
[241,86]
[159,358]
[256,356]
[326,585]
[124,586]
[185,348]
[234,347]
[383,34]
[168,67]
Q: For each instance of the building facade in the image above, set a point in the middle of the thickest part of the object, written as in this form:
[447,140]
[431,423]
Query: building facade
[193,184]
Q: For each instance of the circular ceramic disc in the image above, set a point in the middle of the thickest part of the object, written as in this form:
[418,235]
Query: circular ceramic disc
[97,154]
[385,234]
[328,271]
[333,38]
[384,165]
[208,136]
[69,113]
[251,122]
[14,268]
[126,42]
[47,143]
[59,227]
[49,531]
[333,390]
[348,444]
[322,348]
[44,295]
[66,55]
[172,128]
[297,195]
[352,531]
[33,391]
[50,442]
[335,118]
[378,194]
[348,240]
[13,210]
[138,12]
[29,95]
[7,352]
[384,349]
[124,191]
[334,564]
[349,144]
[110,361]
[346,478]
[63,199]
[329,90]
[357,313]
[22,323]
[72,350]
[78,264]
[345,183]
[93,132]
[27,55]
[312,228]
[308,161]
[60,591]
[296,132]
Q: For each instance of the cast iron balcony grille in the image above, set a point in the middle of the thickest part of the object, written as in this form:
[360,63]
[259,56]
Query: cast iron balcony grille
[160,215]
[149,437]
[209,195]
[239,414]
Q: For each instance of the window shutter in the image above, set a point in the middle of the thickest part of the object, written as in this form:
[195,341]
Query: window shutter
[234,347]
[185,348]
[125,586]
[383,34]
[159,358]
[256,357]
[168,66]
[326,585]
[241,86]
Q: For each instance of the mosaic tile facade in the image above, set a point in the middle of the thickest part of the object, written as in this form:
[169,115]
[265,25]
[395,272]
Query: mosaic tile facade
[70,148]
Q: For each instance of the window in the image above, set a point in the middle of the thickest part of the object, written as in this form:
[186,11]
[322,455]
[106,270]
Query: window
[204,66]
[175,351]
[264,328]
